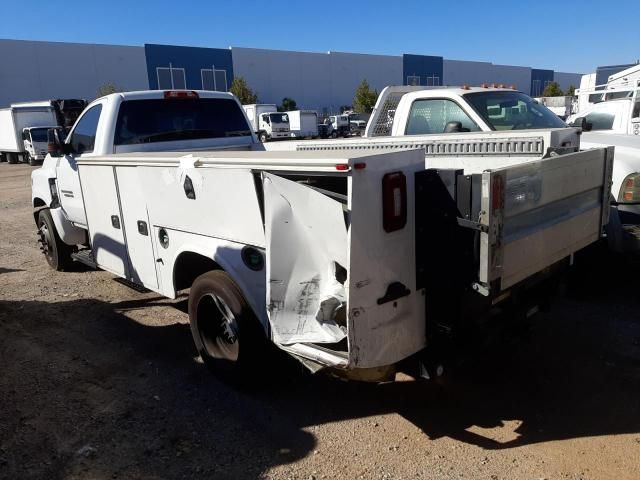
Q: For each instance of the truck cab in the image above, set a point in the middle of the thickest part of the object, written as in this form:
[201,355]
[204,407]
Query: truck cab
[274,125]
[266,122]
[146,121]
[402,111]
[34,140]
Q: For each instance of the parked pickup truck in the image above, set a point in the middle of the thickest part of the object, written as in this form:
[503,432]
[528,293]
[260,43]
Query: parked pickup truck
[617,122]
[408,112]
[356,259]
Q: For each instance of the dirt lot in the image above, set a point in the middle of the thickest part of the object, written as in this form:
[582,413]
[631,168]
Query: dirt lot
[98,381]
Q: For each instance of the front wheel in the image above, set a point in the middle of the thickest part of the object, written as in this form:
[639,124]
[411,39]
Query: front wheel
[28,158]
[227,334]
[263,137]
[57,253]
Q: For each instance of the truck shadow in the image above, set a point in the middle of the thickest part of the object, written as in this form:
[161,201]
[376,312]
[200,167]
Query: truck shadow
[150,408]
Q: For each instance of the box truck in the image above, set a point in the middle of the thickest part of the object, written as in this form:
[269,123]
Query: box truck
[16,142]
[303,123]
[267,122]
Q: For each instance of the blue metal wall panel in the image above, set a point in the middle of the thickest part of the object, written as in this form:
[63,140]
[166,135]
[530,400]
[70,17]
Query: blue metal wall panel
[192,59]
[539,79]
[424,66]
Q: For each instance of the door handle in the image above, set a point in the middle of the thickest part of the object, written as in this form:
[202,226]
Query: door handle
[115,221]
[142,228]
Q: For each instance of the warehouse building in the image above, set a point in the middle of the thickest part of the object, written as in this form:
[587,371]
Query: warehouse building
[317,81]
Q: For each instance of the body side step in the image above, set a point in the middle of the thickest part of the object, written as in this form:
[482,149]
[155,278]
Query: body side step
[85,256]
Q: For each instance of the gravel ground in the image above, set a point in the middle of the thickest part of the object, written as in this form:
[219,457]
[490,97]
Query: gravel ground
[98,381]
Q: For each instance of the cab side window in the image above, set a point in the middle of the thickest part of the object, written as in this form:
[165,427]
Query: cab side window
[83,138]
[432,115]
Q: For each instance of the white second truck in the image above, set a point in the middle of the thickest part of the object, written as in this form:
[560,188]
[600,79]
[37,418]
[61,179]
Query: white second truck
[357,260]
[267,122]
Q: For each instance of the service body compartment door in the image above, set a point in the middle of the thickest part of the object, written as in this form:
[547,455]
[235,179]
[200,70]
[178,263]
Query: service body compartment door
[538,213]
[137,228]
[103,217]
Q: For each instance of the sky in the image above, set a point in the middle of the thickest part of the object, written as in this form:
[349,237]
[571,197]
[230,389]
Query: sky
[566,36]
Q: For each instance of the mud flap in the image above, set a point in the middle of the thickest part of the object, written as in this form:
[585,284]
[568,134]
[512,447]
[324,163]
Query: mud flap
[306,245]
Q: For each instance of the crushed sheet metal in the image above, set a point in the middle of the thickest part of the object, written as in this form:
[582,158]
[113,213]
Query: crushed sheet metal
[305,236]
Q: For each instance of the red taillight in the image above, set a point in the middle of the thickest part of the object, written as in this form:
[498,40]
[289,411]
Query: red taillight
[181,94]
[360,166]
[394,201]
[342,167]
[497,201]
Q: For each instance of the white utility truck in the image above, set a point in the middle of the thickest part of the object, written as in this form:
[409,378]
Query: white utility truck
[616,121]
[267,122]
[16,142]
[303,123]
[356,259]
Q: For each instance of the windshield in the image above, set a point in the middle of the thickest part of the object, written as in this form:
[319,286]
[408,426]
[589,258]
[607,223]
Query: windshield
[279,117]
[512,111]
[163,120]
[39,135]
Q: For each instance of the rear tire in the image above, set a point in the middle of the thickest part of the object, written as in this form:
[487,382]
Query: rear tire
[56,252]
[227,334]
[12,158]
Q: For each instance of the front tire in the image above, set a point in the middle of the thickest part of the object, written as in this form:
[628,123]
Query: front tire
[56,252]
[28,158]
[227,334]
[263,137]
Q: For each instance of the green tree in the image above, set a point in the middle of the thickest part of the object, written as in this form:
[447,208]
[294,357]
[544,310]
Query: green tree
[552,90]
[365,99]
[288,104]
[571,91]
[107,89]
[241,90]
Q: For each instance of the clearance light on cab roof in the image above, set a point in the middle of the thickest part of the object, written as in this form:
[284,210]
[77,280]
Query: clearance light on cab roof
[345,166]
[180,94]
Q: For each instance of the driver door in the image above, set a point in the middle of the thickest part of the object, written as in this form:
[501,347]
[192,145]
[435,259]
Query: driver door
[81,142]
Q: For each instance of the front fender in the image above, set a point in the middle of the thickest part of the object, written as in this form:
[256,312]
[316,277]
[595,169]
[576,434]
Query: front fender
[40,182]
[68,232]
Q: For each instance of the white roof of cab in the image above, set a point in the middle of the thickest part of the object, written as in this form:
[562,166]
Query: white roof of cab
[453,92]
[151,94]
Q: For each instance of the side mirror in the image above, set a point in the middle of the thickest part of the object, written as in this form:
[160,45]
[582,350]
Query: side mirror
[54,146]
[581,122]
[454,127]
